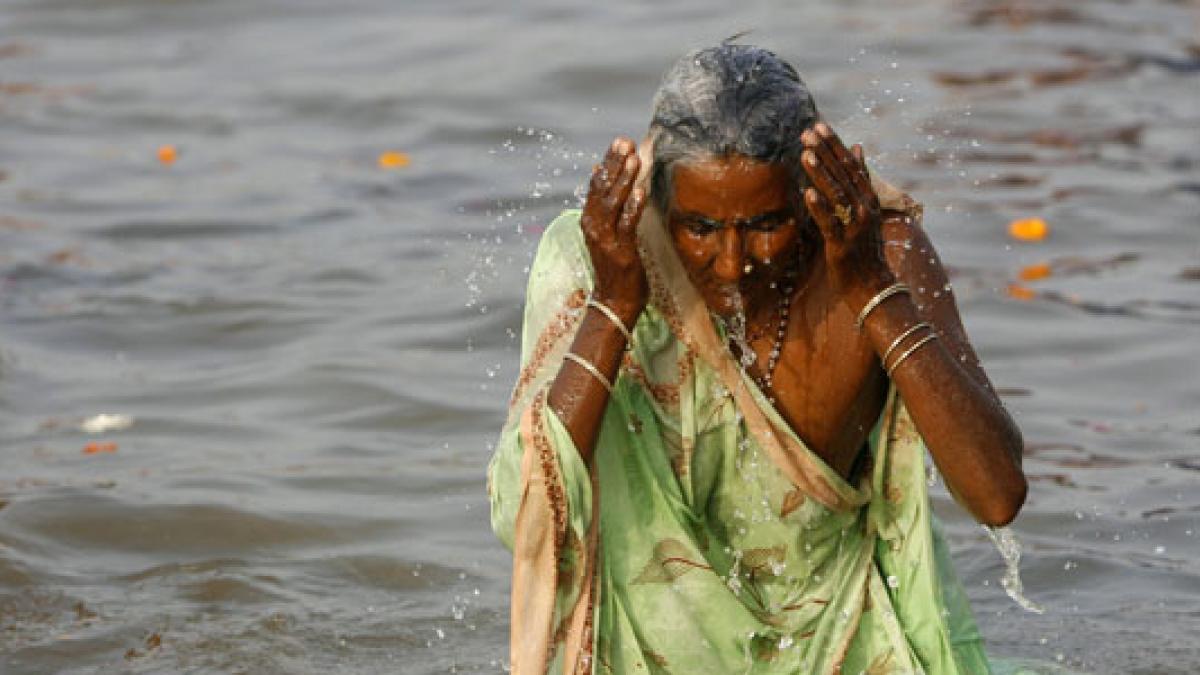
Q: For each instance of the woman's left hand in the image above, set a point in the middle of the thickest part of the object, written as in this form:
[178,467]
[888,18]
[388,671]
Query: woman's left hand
[847,211]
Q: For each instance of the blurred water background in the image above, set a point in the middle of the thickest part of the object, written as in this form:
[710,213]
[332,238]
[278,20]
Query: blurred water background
[314,350]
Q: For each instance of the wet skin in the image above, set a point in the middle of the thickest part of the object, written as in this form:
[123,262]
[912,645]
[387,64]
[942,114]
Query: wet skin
[728,212]
[732,212]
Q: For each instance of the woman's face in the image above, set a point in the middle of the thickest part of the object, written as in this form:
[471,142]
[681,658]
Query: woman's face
[730,214]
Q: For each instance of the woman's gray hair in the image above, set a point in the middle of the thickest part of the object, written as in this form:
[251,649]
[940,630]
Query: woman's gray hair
[724,100]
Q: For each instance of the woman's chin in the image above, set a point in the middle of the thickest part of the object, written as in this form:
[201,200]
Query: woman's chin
[724,304]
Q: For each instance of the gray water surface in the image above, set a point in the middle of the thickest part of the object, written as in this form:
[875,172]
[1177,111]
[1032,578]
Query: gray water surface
[316,352]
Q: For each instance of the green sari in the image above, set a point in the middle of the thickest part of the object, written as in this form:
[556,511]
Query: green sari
[707,538]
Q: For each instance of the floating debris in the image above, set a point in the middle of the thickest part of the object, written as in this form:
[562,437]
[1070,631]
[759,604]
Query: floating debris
[1020,292]
[96,448]
[167,154]
[103,422]
[1036,271]
[1028,229]
[393,160]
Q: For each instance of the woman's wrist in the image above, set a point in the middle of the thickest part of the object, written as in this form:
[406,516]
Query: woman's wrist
[890,320]
[858,298]
[624,310]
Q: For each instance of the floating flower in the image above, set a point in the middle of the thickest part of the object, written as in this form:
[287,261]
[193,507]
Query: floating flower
[167,154]
[1021,292]
[97,448]
[1028,229]
[1034,272]
[393,160]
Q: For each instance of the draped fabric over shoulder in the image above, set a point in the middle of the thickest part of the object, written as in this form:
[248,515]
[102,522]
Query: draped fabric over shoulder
[707,538]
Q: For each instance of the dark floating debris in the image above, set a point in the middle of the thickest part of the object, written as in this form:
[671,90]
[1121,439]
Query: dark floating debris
[153,642]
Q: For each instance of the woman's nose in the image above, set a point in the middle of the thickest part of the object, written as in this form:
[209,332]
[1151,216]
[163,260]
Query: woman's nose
[728,265]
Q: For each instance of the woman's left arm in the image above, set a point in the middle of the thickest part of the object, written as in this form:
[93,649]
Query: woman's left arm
[974,442]
[972,438]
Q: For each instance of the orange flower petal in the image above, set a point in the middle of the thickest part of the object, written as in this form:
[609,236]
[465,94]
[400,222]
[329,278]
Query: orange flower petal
[98,447]
[1034,272]
[1021,292]
[1028,229]
[167,154]
[393,160]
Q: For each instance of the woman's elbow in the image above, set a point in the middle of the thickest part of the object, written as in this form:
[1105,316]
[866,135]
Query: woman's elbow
[1003,509]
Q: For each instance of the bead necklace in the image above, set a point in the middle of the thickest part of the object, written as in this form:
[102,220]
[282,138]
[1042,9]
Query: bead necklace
[784,310]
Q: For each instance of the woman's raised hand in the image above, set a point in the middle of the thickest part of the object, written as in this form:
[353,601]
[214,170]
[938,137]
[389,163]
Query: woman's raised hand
[847,210]
[609,222]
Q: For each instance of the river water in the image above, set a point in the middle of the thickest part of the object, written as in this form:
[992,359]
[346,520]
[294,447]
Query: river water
[314,352]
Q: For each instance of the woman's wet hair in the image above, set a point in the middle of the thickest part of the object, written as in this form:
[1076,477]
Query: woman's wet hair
[725,100]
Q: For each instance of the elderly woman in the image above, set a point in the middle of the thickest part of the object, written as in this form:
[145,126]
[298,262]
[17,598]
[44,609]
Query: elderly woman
[733,361]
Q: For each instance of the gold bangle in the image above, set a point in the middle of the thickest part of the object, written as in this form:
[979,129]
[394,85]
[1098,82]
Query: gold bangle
[583,363]
[877,300]
[612,316]
[905,355]
[903,336]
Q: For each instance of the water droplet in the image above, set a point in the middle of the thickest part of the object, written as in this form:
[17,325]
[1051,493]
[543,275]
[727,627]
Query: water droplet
[1010,550]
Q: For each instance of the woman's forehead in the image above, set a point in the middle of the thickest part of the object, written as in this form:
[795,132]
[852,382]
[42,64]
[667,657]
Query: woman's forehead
[730,187]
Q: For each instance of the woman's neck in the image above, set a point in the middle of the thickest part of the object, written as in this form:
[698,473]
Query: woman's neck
[761,297]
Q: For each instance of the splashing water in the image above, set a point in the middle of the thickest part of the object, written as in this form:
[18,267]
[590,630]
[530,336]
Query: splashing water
[735,329]
[1010,550]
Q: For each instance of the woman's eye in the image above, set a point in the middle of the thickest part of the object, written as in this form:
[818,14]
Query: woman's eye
[700,227]
[769,225]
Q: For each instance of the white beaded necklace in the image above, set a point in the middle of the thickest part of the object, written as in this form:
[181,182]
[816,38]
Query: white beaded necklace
[784,310]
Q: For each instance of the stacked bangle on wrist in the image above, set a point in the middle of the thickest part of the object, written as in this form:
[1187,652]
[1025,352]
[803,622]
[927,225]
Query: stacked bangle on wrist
[911,350]
[611,316]
[586,365]
[878,300]
[903,336]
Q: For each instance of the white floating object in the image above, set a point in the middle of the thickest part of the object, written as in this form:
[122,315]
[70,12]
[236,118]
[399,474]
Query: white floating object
[103,422]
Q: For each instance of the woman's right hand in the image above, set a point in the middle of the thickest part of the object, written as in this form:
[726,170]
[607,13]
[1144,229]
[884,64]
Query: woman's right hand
[609,223]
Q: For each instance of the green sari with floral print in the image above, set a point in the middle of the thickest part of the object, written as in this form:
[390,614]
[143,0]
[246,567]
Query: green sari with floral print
[706,538]
[687,549]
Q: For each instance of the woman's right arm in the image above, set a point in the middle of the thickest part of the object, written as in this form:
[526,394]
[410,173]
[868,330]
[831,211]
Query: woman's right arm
[609,223]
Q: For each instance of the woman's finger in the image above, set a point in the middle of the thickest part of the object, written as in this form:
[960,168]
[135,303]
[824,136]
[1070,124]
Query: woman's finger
[595,226]
[857,151]
[607,190]
[622,184]
[829,225]
[825,153]
[819,173]
[631,215]
[607,170]
[851,166]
